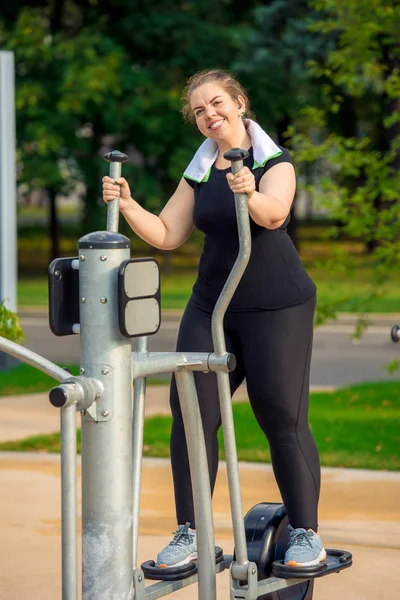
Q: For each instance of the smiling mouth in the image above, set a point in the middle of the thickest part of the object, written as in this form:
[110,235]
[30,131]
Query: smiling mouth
[216,125]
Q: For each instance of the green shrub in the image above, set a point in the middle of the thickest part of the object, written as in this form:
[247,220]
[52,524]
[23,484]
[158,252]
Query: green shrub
[10,327]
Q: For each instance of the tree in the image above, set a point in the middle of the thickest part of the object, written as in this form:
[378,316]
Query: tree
[273,66]
[360,175]
[87,82]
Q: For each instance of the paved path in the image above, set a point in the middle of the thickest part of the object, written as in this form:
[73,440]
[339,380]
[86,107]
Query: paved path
[359,511]
[23,416]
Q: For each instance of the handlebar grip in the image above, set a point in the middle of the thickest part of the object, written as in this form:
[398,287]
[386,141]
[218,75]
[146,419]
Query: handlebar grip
[236,156]
[116,156]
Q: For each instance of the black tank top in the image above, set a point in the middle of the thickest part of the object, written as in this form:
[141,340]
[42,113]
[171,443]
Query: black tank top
[274,277]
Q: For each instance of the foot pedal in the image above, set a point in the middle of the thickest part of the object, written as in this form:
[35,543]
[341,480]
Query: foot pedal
[150,571]
[336,560]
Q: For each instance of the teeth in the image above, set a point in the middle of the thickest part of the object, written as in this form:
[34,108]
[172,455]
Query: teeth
[217,124]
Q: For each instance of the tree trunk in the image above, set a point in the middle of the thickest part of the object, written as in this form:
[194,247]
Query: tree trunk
[167,262]
[387,138]
[54,226]
[95,211]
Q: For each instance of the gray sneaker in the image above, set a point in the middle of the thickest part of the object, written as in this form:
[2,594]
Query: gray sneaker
[305,548]
[180,551]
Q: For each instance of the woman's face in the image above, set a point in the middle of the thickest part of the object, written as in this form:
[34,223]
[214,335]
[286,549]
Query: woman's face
[216,112]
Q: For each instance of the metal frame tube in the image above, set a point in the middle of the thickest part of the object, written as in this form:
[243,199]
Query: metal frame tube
[113,205]
[151,363]
[200,483]
[33,359]
[69,538]
[242,213]
[69,516]
[139,397]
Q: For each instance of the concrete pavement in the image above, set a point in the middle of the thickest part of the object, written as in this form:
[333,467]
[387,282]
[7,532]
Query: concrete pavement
[359,511]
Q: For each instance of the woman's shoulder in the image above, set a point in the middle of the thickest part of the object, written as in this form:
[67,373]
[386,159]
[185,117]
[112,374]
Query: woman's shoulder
[281,158]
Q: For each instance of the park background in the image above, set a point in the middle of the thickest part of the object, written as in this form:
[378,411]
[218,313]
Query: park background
[323,78]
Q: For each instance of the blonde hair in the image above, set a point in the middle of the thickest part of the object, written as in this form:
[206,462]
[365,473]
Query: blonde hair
[221,78]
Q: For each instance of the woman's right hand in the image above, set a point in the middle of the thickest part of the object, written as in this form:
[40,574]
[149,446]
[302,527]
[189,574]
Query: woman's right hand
[113,187]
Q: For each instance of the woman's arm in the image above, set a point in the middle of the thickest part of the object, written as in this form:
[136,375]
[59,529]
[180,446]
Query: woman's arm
[167,231]
[271,205]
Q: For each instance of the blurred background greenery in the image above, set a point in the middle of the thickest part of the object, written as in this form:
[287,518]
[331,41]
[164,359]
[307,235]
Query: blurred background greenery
[323,77]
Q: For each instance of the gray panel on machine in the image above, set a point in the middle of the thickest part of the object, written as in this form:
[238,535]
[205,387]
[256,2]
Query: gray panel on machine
[139,297]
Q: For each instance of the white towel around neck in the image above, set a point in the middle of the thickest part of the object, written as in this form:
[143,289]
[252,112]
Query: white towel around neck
[264,148]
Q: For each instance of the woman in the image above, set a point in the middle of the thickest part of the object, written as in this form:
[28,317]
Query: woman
[269,322]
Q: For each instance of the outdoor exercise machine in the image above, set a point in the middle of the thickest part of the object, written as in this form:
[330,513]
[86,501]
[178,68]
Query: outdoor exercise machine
[109,298]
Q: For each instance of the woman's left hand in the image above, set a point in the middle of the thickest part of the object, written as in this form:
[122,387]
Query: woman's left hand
[243,182]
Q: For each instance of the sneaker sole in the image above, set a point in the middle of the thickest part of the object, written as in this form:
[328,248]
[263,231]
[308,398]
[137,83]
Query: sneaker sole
[311,563]
[187,560]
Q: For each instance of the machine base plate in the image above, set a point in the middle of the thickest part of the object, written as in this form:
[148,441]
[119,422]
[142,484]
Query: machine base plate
[150,570]
[336,560]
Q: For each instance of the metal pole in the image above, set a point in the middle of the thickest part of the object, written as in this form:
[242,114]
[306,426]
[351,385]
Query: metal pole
[8,210]
[106,426]
[115,158]
[200,483]
[69,515]
[139,393]
[31,358]
[106,432]
[8,204]
[225,398]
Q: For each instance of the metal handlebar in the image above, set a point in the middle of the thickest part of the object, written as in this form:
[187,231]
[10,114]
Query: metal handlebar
[115,158]
[239,567]
[236,156]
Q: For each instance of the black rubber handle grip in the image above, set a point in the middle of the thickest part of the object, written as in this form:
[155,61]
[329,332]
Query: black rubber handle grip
[116,156]
[236,154]
[57,397]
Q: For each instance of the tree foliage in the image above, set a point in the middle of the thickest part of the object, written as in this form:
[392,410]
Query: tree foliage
[358,174]
[10,327]
[92,76]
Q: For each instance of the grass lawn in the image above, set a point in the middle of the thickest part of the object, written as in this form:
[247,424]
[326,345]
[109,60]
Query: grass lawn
[358,427]
[342,287]
[176,289]
[25,379]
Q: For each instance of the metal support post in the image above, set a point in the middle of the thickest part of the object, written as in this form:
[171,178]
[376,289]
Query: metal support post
[69,516]
[8,201]
[137,448]
[106,426]
[200,483]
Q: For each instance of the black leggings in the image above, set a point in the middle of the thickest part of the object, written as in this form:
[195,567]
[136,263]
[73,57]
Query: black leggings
[273,352]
